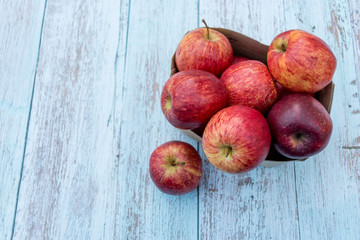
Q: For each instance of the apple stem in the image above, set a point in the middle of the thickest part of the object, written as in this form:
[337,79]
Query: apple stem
[228,150]
[182,163]
[207,28]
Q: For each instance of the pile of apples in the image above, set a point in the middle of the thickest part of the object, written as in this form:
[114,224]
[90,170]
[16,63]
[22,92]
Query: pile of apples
[242,106]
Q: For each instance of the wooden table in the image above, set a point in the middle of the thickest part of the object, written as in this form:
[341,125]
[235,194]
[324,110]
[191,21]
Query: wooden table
[80,84]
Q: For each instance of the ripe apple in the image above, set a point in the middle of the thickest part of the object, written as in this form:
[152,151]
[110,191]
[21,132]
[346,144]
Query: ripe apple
[236,139]
[300,126]
[249,83]
[300,61]
[190,98]
[282,92]
[204,49]
[238,59]
[175,167]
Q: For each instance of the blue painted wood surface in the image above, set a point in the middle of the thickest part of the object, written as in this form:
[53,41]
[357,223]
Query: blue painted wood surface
[80,85]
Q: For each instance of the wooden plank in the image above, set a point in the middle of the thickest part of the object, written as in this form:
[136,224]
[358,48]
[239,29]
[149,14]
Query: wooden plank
[328,184]
[86,170]
[68,189]
[19,44]
[143,212]
[354,8]
[260,204]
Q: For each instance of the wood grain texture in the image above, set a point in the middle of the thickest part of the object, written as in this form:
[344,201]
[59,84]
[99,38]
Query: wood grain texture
[354,12]
[96,118]
[68,188]
[260,204]
[20,26]
[328,183]
[143,212]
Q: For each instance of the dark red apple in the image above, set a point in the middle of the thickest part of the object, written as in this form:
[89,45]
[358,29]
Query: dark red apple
[190,98]
[300,126]
[300,61]
[204,49]
[237,139]
[249,83]
[175,167]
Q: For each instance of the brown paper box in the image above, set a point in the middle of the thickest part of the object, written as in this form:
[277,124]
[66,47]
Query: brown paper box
[248,47]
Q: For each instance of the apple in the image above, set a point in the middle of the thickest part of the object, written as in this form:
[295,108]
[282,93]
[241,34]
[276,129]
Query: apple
[190,98]
[300,126]
[238,59]
[237,139]
[204,49]
[249,83]
[175,167]
[300,61]
[279,88]
[282,92]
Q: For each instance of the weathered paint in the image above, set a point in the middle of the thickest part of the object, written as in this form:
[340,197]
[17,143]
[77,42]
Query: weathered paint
[260,204]
[96,118]
[20,29]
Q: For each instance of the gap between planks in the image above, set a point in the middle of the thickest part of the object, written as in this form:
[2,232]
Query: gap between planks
[27,124]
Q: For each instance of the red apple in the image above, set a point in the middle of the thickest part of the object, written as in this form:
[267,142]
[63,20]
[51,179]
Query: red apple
[190,98]
[282,92]
[204,49]
[238,59]
[300,61]
[249,83]
[236,139]
[279,89]
[300,126]
[175,167]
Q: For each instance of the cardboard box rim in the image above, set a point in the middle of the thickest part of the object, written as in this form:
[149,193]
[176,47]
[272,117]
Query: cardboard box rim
[248,47]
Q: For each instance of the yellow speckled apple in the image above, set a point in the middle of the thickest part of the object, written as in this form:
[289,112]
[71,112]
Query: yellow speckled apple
[300,61]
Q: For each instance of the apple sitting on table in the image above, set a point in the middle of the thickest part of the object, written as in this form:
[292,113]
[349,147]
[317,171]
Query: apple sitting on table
[190,98]
[300,126]
[300,61]
[204,49]
[237,139]
[175,167]
[249,83]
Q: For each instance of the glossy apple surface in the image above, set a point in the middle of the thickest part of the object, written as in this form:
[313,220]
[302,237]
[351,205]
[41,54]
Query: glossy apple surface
[204,49]
[175,167]
[300,61]
[237,139]
[190,98]
[300,126]
[249,83]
